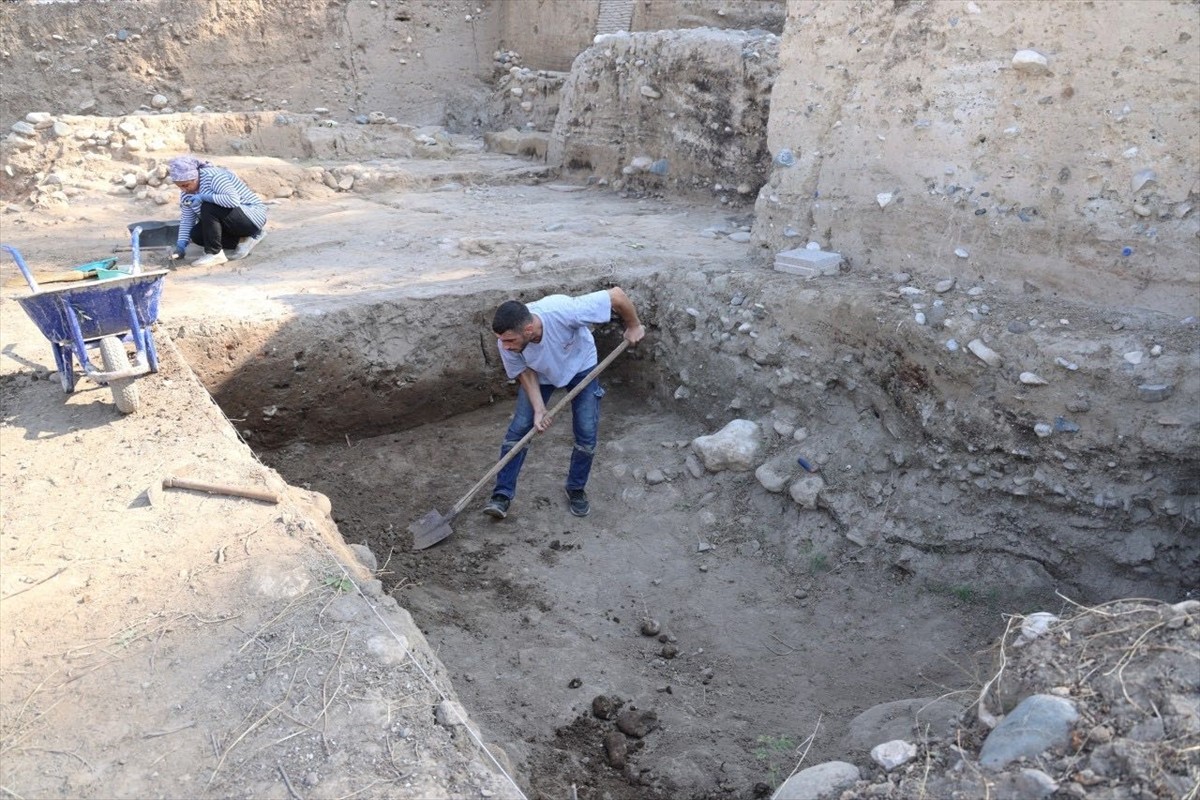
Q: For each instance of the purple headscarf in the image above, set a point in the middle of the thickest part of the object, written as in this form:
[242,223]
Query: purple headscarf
[185,168]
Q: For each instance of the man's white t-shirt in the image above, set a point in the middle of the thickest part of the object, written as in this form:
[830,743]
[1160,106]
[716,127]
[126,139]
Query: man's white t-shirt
[567,347]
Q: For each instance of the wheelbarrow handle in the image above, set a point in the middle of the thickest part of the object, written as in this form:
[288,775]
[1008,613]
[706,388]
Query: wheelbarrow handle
[16,254]
[511,454]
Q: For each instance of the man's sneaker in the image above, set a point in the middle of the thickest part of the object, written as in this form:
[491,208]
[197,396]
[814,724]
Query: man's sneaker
[579,502]
[497,507]
[210,259]
[245,245]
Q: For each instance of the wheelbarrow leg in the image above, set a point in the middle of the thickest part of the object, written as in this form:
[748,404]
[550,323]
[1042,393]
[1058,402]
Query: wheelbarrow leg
[66,369]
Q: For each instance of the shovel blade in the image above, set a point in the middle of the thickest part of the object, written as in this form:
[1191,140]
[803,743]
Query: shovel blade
[429,530]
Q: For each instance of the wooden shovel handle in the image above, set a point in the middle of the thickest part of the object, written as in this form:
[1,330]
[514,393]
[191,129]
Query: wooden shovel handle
[511,454]
[220,488]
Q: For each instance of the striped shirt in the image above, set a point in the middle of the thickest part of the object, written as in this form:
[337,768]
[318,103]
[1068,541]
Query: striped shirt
[227,190]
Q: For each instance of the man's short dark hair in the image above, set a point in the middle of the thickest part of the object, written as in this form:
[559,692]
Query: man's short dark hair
[512,315]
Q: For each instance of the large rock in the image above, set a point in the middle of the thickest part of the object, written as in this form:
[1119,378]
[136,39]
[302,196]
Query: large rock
[901,719]
[1039,722]
[736,447]
[822,782]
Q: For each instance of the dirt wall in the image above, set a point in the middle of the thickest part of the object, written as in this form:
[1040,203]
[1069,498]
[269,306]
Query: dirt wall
[654,15]
[904,132]
[409,60]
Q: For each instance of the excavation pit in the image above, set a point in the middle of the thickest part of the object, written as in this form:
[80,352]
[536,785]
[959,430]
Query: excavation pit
[771,621]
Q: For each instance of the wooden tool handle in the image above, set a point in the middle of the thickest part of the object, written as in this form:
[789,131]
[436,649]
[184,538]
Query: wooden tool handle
[66,276]
[220,488]
[511,454]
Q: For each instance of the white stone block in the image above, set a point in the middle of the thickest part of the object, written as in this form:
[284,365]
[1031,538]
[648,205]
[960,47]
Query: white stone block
[808,263]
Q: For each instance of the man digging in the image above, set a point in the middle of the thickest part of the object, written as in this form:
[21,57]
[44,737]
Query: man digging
[548,345]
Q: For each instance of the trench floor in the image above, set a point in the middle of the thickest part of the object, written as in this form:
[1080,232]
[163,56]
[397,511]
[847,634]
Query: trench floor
[782,629]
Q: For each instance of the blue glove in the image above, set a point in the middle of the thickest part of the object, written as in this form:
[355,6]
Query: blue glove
[180,250]
[190,200]
[206,197]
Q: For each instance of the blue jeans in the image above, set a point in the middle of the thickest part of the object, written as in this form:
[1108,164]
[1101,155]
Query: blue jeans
[585,422]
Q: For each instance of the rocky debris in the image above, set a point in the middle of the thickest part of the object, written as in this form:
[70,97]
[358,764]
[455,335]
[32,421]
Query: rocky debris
[1075,726]
[522,98]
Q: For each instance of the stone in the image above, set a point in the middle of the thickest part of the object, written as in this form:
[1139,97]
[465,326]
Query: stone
[807,263]
[1028,784]
[1154,392]
[650,92]
[637,724]
[39,118]
[159,101]
[449,714]
[1035,625]
[895,753]
[24,128]
[734,447]
[1032,379]
[1038,723]
[984,353]
[820,782]
[901,719]
[60,129]
[740,237]
[1030,62]
[387,649]
[775,473]
[884,199]
[616,749]
[941,287]
[1141,178]
[655,477]
[807,491]
[365,556]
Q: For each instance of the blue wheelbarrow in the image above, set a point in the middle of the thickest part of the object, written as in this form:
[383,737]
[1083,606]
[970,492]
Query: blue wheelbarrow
[105,313]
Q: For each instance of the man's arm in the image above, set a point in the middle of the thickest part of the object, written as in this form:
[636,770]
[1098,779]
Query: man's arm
[624,308]
[529,382]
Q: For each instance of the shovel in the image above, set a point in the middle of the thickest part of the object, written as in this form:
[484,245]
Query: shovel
[433,527]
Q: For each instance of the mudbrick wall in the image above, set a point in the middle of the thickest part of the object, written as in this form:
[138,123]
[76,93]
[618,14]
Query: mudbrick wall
[1054,143]
[672,111]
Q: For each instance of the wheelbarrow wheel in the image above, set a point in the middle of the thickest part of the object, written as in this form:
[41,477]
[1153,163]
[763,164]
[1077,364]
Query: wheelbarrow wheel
[125,394]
